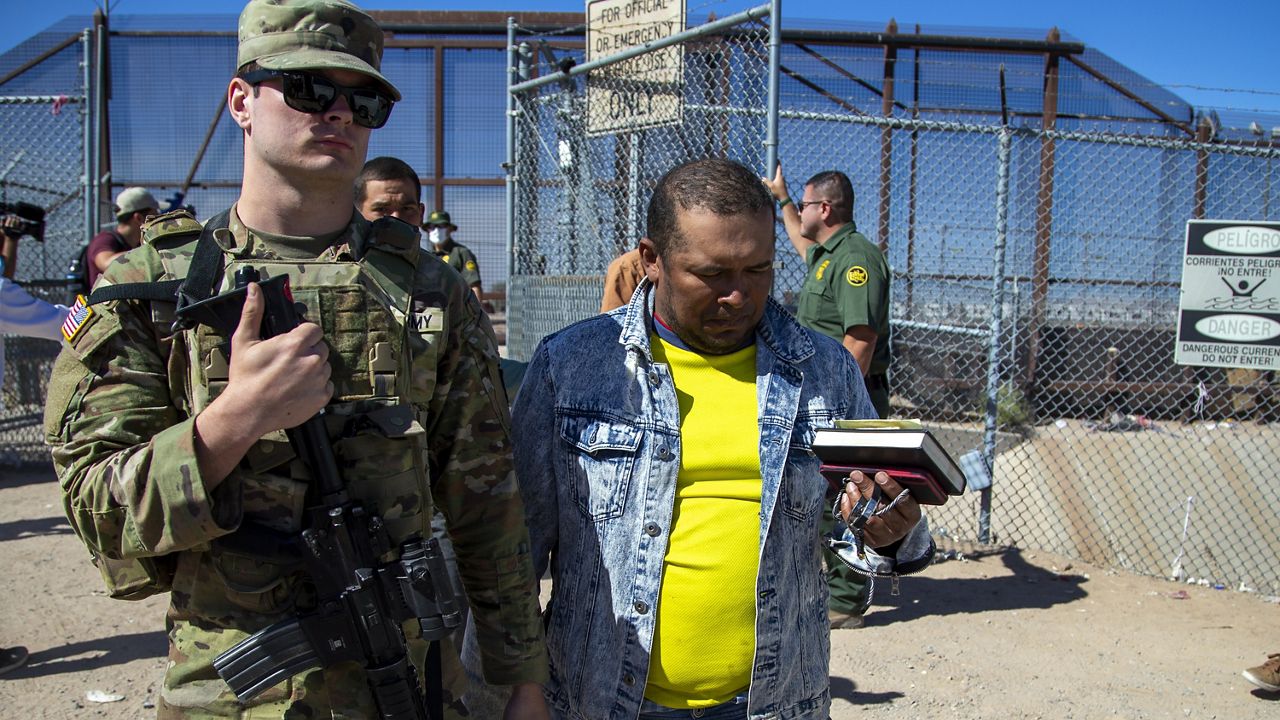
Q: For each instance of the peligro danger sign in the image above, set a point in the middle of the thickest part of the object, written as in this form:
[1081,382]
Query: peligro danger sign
[1229,311]
[642,92]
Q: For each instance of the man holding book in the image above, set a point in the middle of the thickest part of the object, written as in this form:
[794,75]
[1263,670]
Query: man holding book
[665,455]
[845,297]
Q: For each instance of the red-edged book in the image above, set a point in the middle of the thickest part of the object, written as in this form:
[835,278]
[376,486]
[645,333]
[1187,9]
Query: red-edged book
[909,453]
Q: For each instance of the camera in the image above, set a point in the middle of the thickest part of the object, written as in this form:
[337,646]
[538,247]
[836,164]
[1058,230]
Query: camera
[31,219]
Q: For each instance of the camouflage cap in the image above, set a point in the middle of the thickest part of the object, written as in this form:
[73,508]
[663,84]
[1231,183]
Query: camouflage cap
[311,35]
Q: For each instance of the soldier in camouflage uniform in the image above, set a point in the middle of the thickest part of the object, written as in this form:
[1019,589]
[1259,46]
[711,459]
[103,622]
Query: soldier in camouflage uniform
[171,453]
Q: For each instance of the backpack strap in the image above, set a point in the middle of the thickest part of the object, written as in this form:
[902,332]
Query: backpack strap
[203,276]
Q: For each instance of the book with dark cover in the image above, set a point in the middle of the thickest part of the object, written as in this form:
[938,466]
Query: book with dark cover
[910,455]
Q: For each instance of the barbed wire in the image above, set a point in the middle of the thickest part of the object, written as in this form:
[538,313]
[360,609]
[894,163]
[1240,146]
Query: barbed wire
[970,74]
[1243,91]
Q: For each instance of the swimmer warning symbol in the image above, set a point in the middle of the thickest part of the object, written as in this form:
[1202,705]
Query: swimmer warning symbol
[1229,311]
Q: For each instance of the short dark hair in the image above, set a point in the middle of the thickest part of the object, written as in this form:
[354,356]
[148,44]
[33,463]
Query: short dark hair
[836,190]
[724,187]
[251,66]
[387,168]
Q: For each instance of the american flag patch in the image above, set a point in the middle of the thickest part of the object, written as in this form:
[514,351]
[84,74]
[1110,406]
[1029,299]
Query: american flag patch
[76,319]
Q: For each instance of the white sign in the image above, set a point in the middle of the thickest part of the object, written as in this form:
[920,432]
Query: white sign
[644,91]
[1229,312]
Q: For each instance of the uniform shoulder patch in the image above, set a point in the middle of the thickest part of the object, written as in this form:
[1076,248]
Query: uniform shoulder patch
[856,276]
[178,222]
[78,318]
[471,264]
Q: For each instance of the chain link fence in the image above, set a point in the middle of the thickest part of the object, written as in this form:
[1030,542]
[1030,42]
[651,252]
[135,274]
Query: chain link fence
[590,147]
[42,140]
[1034,296]
[1035,271]
[1060,377]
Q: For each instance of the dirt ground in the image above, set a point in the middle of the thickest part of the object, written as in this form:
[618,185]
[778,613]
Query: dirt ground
[1001,633]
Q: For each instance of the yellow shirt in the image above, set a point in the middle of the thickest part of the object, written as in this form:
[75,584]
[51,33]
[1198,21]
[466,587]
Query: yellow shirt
[704,642]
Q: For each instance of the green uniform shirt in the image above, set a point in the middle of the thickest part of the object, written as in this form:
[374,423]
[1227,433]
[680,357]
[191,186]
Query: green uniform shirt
[460,258]
[847,284]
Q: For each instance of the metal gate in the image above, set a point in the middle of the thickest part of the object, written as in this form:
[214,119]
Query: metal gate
[578,197]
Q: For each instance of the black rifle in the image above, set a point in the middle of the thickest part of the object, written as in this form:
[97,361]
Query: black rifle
[31,216]
[361,601]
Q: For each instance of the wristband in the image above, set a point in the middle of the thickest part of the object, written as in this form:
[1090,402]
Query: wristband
[784,202]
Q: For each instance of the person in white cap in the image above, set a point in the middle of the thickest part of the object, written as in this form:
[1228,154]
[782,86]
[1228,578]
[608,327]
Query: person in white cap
[133,206]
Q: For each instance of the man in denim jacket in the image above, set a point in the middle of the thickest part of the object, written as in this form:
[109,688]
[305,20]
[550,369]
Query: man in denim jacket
[664,456]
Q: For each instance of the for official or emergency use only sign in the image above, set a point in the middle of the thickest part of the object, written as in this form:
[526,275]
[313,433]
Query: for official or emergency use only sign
[642,92]
[1229,313]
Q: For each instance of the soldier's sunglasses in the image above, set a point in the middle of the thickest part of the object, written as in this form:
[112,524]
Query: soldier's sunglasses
[311,93]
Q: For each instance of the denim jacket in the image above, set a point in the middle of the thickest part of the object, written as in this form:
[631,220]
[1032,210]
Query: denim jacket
[596,428]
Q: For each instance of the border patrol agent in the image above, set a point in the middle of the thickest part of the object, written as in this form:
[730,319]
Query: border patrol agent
[458,256]
[168,440]
[845,296]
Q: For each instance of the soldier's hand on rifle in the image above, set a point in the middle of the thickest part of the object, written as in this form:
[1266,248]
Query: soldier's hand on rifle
[282,381]
[273,384]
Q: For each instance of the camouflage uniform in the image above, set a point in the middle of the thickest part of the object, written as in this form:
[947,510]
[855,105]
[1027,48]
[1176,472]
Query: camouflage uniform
[120,418]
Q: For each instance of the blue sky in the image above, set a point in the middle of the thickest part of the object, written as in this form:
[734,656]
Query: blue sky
[1194,48]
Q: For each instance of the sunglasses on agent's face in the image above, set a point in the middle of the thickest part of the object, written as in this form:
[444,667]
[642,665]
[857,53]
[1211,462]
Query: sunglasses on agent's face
[313,93]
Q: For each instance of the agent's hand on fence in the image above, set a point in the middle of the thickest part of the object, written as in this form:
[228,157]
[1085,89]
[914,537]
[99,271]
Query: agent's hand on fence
[777,186]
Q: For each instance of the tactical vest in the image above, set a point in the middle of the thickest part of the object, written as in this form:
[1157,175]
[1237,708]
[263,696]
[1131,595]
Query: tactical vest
[361,306]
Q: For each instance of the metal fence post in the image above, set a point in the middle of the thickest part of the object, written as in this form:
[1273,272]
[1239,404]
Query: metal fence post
[101,150]
[997,317]
[1200,190]
[886,136]
[1044,215]
[87,152]
[510,166]
[775,55]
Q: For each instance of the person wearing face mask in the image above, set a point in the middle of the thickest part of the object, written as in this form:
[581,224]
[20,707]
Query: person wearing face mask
[458,256]
[388,187]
